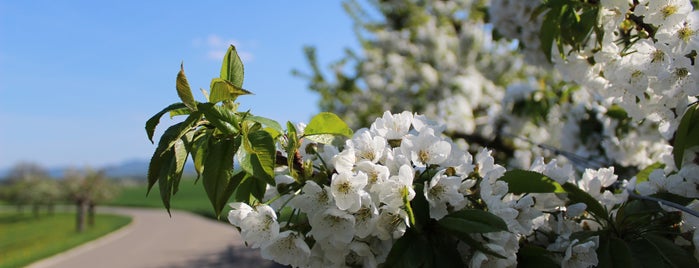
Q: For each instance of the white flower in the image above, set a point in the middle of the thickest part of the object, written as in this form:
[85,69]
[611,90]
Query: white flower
[345,160]
[486,167]
[366,217]
[238,213]
[347,190]
[663,12]
[334,226]
[360,255]
[393,190]
[581,254]
[426,148]
[392,126]
[391,224]
[376,175]
[575,210]
[313,199]
[288,248]
[366,146]
[440,190]
[260,226]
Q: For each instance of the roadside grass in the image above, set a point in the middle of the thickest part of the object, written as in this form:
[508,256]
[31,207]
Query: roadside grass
[190,197]
[25,239]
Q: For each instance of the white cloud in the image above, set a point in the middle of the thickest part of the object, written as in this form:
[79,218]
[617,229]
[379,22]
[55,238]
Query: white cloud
[216,47]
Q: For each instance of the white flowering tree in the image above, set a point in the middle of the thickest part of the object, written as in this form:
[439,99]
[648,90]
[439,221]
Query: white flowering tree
[399,192]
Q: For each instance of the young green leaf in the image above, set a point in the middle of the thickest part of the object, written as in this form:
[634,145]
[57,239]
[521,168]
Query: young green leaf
[525,181]
[327,123]
[223,119]
[643,174]
[155,119]
[469,221]
[232,68]
[223,90]
[184,91]
[218,170]
[267,122]
[259,159]
[686,134]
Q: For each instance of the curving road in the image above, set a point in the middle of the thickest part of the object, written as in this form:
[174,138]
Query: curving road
[155,240]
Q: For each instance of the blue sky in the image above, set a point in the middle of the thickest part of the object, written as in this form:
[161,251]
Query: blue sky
[78,79]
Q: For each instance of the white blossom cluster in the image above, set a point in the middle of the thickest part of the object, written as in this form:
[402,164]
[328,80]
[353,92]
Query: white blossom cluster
[354,219]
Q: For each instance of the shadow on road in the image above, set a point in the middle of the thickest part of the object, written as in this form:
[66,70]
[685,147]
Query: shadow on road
[231,257]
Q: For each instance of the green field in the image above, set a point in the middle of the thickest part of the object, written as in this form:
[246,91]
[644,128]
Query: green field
[25,239]
[190,197]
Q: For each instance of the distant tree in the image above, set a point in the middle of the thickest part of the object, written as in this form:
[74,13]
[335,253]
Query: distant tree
[86,190]
[30,184]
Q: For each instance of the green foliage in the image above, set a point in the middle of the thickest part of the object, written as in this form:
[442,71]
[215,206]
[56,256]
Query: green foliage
[524,181]
[568,22]
[26,239]
[686,134]
[470,221]
[576,195]
[217,136]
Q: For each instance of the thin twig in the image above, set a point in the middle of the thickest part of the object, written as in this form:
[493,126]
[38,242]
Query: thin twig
[664,202]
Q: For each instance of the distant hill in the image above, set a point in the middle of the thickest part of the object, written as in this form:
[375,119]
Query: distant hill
[135,168]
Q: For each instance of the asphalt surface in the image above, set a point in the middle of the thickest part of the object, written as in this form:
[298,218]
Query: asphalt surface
[155,240]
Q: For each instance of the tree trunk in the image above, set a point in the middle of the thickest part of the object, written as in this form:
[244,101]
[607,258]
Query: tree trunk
[91,214]
[80,216]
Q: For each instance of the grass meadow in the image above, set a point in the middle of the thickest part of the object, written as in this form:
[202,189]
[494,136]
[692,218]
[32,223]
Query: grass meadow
[25,239]
[190,197]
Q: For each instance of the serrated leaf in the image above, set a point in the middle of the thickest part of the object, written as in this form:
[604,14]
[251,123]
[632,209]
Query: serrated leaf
[166,168]
[525,181]
[645,173]
[260,158]
[184,91]
[250,189]
[686,134]
[181,111]
[223,119]
[223,90]
[163,153]
[469,221]
[155,119]
[199,151]
[327,123]
[576,195]
[218,170]
[266,122]
[232,68]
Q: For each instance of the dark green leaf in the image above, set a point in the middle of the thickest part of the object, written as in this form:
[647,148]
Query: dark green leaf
[250,189]
[613,252]
[184,91]
[616,112]
[153,121]
[159,167]
[525,181]
[645,254]
[199,150]
[420,206]
[534,256]
[327,123]
[444,250]
[232,68]
[411,250]
[575,195]
[222,90]
[472,242]
[686,134]
[672,253]
[218,171]
[470,221]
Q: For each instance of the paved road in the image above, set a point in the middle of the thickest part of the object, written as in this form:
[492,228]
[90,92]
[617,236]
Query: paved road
[155,240]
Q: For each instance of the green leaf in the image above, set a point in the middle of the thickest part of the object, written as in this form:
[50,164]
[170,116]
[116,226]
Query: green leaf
[613,252]
[260,158]
[534,256]
[232,68]
[184,91]
[166,167]
[411,250]
[159,165]
[223,90]
[223,119]
[155,120]
[250,189]
[686,134]
[645,173]
[267,122]
[645,254]
[420,207]
[181,111]
[199,150]
[575,195]
[327,123]
[469,221]
[525,181]
[218,171]
[444,250]
[673,254]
